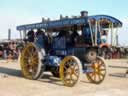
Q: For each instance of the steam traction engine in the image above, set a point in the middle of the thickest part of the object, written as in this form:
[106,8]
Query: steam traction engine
[67,48]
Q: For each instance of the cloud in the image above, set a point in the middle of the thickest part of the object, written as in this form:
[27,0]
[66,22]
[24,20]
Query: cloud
[11,21]
[123,32]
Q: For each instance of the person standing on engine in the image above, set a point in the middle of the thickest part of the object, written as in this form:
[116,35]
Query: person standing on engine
[41,42]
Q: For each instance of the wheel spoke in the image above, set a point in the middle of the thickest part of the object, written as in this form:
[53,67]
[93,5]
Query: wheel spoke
[68,77]
[101,65]
[25,57]
[36,58]
[32,50]
[65,67]
[25,61]
[71,82]
[34,63]
[70,65]
[101,74]
[75,65]
[99,77]
[95,77]
[34,68]
[102,69]
[27,51]
[99,62]
[75,74]
[34,54]
[92,73]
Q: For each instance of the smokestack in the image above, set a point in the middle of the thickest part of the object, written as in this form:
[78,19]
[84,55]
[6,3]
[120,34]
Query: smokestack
[9,34]
[66,17]
[84,13]
[48,19]
[61,17]
[43,19]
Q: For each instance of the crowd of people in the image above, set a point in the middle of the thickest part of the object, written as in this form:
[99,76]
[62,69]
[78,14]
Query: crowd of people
[9,50]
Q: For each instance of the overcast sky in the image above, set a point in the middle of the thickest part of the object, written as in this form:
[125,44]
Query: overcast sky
[18,12]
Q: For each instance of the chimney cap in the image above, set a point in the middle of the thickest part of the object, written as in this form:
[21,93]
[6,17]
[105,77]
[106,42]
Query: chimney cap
[84,13]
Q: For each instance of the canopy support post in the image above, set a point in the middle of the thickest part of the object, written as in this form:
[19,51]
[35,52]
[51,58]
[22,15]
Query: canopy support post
[96,31]
[92,39]
[99,28]
[116,37]
[21,35]
[112,34]
[24,34]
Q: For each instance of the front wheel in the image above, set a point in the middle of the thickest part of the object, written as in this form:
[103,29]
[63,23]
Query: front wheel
[98,71]
[70,70]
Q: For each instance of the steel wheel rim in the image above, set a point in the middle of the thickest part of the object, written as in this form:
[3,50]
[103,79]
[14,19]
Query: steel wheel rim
[29,61]
[99,71]
[69,71]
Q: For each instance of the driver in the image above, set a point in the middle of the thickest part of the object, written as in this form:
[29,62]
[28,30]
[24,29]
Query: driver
[41,40]
[104,36]
[74,35]
[30,36]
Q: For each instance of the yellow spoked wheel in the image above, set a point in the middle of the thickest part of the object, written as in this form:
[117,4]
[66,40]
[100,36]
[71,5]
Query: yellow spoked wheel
[70,70]
[98,71]
[30,62]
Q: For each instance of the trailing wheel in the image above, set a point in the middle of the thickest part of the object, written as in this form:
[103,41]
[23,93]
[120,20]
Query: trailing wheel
[70,70]
[30,61]
[98,72]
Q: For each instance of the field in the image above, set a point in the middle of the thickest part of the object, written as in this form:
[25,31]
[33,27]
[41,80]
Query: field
[12,82]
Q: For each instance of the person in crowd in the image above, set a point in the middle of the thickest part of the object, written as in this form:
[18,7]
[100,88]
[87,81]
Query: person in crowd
[41,39]
[104,36]
[74,35]
[31,36]
[41,42]
[1,51]
[10,55]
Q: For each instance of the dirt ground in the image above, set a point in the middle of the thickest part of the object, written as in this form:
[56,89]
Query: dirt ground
[13,84]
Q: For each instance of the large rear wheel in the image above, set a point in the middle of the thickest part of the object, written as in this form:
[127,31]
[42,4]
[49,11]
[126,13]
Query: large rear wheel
[98,71]
[70,70]
[30,61]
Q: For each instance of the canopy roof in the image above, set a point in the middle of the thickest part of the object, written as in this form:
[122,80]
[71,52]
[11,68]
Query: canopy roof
[54,24]
[104,20]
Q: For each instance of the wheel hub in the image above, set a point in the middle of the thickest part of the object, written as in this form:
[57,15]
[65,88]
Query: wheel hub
[96,67]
